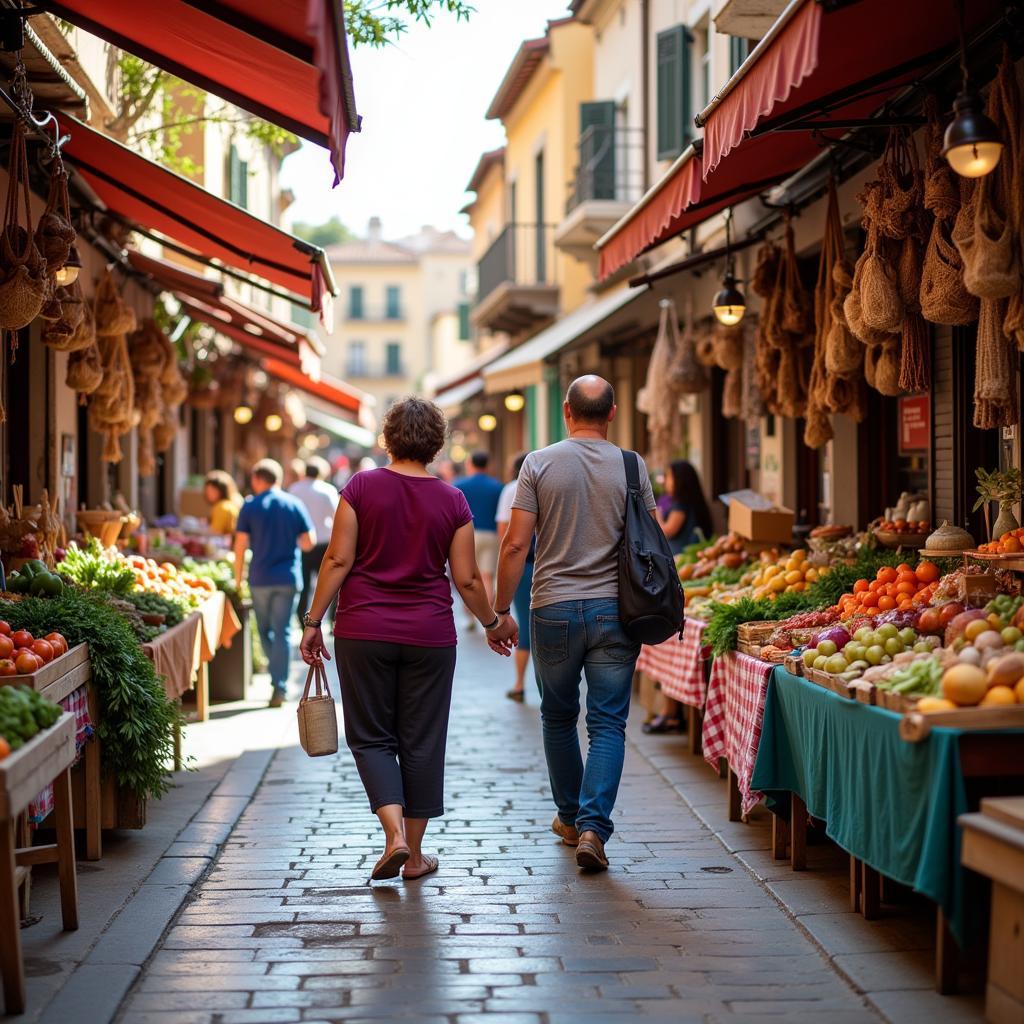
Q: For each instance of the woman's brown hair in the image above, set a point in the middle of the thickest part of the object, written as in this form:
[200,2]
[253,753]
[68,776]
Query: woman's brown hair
[414,430]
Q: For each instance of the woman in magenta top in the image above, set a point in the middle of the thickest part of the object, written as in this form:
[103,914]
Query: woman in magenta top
[395,532]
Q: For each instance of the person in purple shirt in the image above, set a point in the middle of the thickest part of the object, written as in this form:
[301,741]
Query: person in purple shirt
[395,531]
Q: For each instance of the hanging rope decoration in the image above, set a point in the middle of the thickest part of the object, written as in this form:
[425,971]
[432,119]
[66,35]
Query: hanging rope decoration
[766,355]
[112,406]
[659,399]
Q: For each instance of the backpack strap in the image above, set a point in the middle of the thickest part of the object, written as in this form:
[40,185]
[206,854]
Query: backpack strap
[631,461]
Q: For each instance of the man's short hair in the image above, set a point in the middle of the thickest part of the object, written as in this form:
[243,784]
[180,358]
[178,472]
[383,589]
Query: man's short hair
[269,472]
[590,405]
[480,460]
[317,468]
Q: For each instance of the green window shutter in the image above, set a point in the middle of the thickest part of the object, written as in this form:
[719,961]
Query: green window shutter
[393,301]
[739,48]
[597,150]
[556,423]
[238,178]
[531,417]
[674,117]
[393,359]
[465,332]
[355,302]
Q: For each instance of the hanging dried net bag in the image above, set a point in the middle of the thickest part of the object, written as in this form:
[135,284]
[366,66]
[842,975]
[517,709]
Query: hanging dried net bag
[55,233]
[732,394]
[843,352]
[988,243]
[686,374]
[995,380]
[64,334]
[753,401]
[113,315]
[659,397]
[817,425]
[85,371]
[23,280]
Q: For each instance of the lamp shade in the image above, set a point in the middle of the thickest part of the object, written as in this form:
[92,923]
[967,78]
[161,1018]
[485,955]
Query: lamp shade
[972,144]
[487,422]
[515,401]
[729,304]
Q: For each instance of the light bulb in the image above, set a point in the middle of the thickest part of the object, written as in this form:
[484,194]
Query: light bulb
[487,422]
[273,422]
[729,304]
[66,275]
[515,401]
[729,315]
[971,144]
[243,414]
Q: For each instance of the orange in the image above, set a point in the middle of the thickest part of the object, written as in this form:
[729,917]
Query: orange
[887,575]
[871,599]
[927,572]
[1011,545]
[886,603]
[905,587]
[860,586]
[903,567]
[874,586]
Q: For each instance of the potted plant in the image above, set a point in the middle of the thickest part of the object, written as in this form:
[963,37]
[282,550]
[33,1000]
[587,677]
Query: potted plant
[1005,487]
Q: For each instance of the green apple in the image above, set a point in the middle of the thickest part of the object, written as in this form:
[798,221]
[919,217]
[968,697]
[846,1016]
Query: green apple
[836,664]
[893,645]
[819,662]
[809,655]
[862,634]
[827,647]
[857,654]
[908,636]
[887,630]
[874,654]
[1011,635]
[921,647]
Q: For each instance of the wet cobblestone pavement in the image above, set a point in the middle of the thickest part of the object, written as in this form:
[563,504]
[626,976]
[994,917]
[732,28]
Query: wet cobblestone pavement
[285,928]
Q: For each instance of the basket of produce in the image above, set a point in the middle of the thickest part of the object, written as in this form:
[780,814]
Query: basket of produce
[103,524]
[896,535]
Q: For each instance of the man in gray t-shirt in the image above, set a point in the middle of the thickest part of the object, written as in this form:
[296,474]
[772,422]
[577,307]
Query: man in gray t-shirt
[573,495]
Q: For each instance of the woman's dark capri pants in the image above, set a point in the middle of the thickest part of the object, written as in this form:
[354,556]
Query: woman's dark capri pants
[395,700]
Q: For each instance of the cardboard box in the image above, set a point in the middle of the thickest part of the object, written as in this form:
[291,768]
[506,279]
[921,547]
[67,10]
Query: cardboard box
[754,517]
[192,502]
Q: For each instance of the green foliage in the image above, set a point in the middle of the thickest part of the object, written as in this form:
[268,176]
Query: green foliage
[331,232]
[377,22]
[90,567]
[727,618]
[1001,485]
[23,712]
[137,721]
[153,604]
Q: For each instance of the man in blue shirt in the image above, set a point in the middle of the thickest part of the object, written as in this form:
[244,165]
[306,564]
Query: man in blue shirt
[482,492]
[276,526]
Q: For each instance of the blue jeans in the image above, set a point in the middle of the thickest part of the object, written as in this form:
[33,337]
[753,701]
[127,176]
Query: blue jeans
[571,637]
[275,610]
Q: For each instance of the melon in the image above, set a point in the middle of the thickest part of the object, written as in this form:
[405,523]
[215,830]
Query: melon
[964,685]
[998,696]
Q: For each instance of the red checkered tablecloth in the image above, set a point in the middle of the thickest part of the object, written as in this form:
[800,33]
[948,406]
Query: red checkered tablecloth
[678,665]
[733,715]
[77,703]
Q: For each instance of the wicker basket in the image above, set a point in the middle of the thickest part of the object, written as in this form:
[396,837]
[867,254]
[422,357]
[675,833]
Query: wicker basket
[318,720]
[100,523]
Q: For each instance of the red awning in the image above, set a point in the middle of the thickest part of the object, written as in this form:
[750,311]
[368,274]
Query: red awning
[285,61]
[816,68]
[143,193]
[330,389]
[204,300]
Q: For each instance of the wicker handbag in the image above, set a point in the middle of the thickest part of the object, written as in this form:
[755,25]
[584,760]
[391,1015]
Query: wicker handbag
[318,721]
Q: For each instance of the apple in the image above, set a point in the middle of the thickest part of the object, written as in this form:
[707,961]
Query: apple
[862,634]
[908,636]
[827,647]
[874,654]
[27,662]
[42,649]
[5,628]
[22,638]
[819,662]
[887,630]
[56,640]
[809,655]
[7,667]
[6,646]
[893,645]
[835,664]
[1011,635]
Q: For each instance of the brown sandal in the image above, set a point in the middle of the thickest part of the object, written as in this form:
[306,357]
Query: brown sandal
[432,866]
[390,864]
[519,696]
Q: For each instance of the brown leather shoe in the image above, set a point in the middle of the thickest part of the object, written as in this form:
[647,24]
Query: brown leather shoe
[567,833]
[590,852]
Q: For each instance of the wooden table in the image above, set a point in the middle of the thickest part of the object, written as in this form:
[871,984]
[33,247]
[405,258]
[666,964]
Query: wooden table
[993,845]
[46,759]
[55,681]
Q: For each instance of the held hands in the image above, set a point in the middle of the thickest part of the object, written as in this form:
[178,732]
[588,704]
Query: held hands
[504,636]
[312,646]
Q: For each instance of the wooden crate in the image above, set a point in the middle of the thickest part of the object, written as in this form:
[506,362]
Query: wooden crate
[119,807]
[895,701]
[831,682]
[794,665]
[35,765]
[58,678]
[916,725]
[755,632]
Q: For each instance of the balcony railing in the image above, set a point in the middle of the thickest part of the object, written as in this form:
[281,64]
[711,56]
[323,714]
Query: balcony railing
[610,165]
[523,254]
[374,314]
[374,371]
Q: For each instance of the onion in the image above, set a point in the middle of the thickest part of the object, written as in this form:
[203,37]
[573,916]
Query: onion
[836,634]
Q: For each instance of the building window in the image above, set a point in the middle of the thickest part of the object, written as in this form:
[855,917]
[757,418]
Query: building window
[393,359]
[238,178]
[302,316]
[393,302]
[674,115]
[465,332]
[538,191]
[739,48]
[703,39]
[355,302]
[355,364]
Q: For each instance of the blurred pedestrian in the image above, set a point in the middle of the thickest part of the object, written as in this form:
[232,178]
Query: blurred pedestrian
[224,500]
[395,530]
[321,501]
[276,527]
[482,491]
[521,600]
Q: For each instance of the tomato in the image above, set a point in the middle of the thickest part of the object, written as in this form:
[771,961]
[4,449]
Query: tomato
[5,628]
[7,667]
[27,663]
[42,649]
[949,611]
[23,638]
[57,642]
[927,572]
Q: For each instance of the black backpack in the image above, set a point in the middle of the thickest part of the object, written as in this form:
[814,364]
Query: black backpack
[650,594]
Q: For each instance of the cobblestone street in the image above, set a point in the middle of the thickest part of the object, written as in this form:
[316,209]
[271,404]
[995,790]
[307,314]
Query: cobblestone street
[284,927]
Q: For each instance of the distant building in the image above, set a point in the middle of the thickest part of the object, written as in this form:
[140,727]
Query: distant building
[393,297]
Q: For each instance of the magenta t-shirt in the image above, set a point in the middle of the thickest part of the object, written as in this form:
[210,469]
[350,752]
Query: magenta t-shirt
[397,590]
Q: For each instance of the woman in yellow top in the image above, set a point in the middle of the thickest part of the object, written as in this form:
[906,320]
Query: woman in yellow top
[225,501]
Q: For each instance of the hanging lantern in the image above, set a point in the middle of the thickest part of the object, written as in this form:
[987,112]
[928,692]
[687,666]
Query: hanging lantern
[273,423]
[243,414]
[68,274]
[487,422]
[729,304]
[515,401]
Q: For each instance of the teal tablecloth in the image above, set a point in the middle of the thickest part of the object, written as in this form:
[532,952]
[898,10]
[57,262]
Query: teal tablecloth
[890,803]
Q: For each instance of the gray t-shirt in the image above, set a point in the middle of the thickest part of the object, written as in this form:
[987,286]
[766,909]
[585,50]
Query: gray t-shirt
[577,488]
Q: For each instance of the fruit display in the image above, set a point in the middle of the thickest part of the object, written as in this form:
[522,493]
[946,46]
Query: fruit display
[31,531]
[23,712]
[892,588]
[34,578]
[170,582]
[784,575]
[1009,543]
[728,552]
[837,652]
[21,653]
[911,514]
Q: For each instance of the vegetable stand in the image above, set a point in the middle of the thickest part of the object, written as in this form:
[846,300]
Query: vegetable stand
[890,804]
[45,759]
